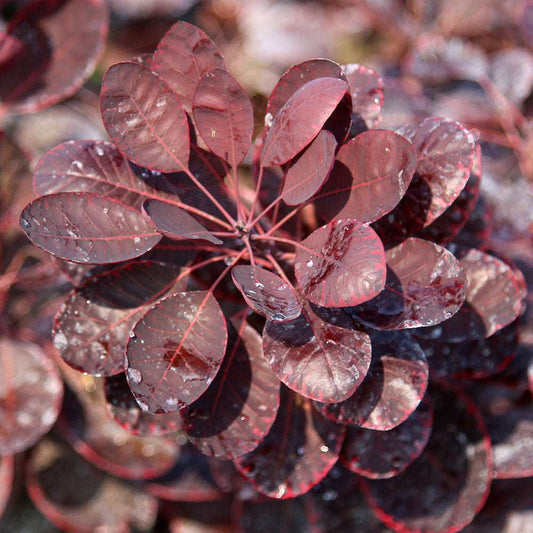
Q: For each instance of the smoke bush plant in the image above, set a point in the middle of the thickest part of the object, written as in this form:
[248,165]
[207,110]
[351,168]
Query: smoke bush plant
[339,262]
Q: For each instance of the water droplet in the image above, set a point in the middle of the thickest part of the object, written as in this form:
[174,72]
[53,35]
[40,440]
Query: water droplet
[330,495]
[106,210]
[324,448]
[171,402]
[136,240]
[99,150]
[161,101]
[134,375]
[309,263]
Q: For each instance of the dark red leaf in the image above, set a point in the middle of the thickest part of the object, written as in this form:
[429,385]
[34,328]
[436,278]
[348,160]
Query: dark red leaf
[183,56]
[7,474]
[308,172]
[126,412]
[76,496]
[175,351]
[240,406]
[224,116]
[392,389]
[46,54]
[296,454]
[300,119]
[266,293]
[366,88]
[369,178]
[447,485]
[87,228]
[144,118]
[31,392]
[425,286]
[91,329]
[320,354]
[384,454]
[340,264]
[511,70]
[175,223]
[477,231]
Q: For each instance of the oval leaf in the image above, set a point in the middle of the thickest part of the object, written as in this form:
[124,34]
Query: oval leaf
[144,118]
[300,119]
[340,264]
[266,293]
[87,228]
[320,354]
[175,351]
[224,116]
[392,389]
[308,172]
[183,56]
[369,178]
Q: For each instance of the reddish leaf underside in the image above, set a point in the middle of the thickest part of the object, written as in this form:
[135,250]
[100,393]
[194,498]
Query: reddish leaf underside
[224,116]
[88,228]
[320,354]
[266,293]
[340,264]
[175,351]
[144,118]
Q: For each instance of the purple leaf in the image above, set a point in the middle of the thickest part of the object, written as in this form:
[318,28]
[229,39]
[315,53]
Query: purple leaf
[300,119]
[392,388]
[384,454]
[425,286]
[224,116]
[175,351]
[144,118]
[340,264]
[240,406]
[455,467]
[91,329]
[31,391]
[296,454]
[308,172]
[175,223]
[46,55]
[87,228]
[266,293]
[320,354]
[369,178]
[183,56]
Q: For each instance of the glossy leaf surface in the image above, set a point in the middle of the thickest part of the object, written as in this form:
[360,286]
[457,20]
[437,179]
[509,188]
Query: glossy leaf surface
[240,406]
[87,228]
[340,264]
[175,351]
[224,116]
[266,293]
[309,171]
[392,389]
[319,354]
[425,286]
[296,454]
[31,391]
[144,118]
[92,328]
[300,119]
[183,56]
[369,178]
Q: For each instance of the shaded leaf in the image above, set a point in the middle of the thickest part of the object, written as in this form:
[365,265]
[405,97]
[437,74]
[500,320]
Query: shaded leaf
[224,116]
[511,70]
[31,391]
[392,388]
[369,178]
[320,354]
[425,286]
[144,118]
[175,351]
[296,454]
[87,228]
[308,172]
[183,56]
[300,119]
[384,454]
[176,223]
[239,408]
[340,264]
[266,293]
